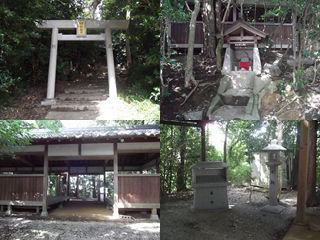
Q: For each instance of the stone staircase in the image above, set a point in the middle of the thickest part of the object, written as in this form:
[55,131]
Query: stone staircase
[82,104]
[235,98]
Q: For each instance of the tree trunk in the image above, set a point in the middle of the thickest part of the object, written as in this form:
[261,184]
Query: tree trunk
[189,78]
[225,142]
[128,49]
[294,174]
[181,183]
[312,154]
[170,172]
[219,35]
[209,28]
[94,7]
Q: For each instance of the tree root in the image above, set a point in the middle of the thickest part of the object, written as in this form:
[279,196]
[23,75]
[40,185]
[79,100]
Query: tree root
[189,95]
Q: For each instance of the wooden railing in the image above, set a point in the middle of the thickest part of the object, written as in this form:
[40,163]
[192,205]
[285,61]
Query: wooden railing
[22,187]
[139,188]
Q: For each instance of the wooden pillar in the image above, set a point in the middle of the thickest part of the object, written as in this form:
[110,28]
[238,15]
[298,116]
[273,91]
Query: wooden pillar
[203,141]
[302,174]
[115,181]
[44,212]
[110,64]
[68,184]
[104,183]
[52,64]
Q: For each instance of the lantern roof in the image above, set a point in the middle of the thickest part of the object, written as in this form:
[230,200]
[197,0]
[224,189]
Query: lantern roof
[274,146]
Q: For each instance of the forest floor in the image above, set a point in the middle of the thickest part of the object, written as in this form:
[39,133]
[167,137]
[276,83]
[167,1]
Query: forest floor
[133,105]
[175,93]
[242,221]
[25,229]
[291,105]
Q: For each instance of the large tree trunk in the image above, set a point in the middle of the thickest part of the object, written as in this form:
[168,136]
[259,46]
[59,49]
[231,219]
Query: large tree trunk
[312,154]
[181,183]
[294,174]
[189,78]
[209,27]
[219,34]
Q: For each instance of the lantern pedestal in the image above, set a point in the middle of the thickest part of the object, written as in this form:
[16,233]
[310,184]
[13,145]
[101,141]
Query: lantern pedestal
[273,165]
[273,205]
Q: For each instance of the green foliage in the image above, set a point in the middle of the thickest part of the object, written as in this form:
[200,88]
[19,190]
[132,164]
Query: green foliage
[300,82]
[144,46]
[174,11]
[13,133]
[24,48]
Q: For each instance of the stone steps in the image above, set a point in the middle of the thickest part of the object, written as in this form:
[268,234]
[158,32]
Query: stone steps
[82,96]
[74,105]
[78,103]
[79,115]
[85,91]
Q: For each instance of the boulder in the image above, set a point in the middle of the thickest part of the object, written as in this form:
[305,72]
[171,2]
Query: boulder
[273,70]
[196,115]
[309,74]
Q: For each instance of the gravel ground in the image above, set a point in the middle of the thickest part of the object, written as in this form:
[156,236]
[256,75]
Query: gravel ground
[26,229]
[243,221]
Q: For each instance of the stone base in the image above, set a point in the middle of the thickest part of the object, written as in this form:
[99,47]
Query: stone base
[273,209]
[48,102]
[44,214]
[154,217]
[228,112]
[8,212]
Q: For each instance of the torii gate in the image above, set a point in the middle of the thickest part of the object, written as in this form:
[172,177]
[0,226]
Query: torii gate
[81,26]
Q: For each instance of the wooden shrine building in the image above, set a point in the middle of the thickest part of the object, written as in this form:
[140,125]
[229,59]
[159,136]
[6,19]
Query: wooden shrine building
[281,32]
[128,152]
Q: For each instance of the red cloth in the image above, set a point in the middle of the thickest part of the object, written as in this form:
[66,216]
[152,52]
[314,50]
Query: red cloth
[245,65]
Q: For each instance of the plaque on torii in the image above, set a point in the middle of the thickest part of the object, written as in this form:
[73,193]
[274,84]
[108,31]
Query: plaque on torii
[81,28]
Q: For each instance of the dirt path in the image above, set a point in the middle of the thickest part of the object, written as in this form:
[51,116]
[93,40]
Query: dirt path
[243,221]
[26,229]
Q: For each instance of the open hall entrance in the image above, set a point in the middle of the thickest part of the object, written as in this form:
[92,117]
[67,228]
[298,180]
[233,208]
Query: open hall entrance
[104,171]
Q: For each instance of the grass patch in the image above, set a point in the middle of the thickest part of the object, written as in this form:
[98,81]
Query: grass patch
[139,100]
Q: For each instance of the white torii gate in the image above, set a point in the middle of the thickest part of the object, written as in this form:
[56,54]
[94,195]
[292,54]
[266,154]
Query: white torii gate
[107,25]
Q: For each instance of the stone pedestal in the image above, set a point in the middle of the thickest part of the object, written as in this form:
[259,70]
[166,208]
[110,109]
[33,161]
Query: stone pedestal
[273,205]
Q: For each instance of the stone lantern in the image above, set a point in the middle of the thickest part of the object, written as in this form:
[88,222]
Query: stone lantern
[273,150]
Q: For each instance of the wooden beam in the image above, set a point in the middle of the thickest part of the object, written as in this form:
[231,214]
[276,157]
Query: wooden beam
[138,175]
[181,123]
[89,37]
[115,183]
[44,212]
[302,174]
[21,175]
[78,158]
[90,24]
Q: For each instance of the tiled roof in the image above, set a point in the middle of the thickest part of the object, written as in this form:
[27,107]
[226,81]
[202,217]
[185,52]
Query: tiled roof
[97,132]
